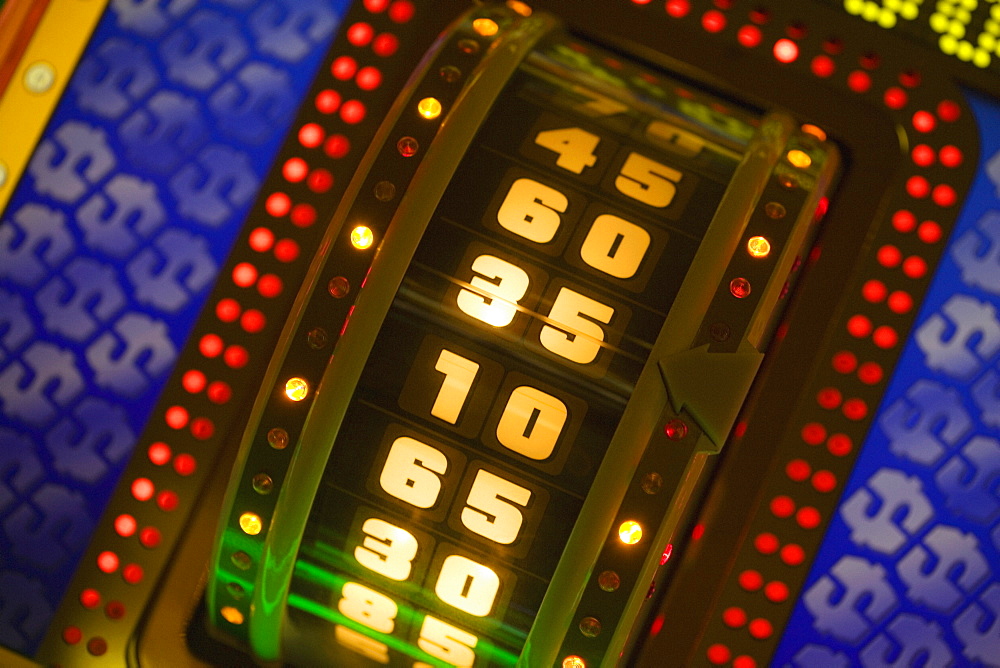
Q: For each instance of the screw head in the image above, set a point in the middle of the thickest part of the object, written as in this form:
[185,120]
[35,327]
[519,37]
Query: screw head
[720,332]
[590,627]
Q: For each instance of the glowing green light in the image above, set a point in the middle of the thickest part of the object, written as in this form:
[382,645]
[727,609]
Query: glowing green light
[484,648]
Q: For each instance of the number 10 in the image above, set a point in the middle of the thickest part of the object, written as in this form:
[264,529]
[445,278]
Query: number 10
[531,422]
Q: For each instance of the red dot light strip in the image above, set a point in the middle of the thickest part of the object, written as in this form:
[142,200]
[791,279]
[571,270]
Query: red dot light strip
[311,146]
[889,298]
[254,302]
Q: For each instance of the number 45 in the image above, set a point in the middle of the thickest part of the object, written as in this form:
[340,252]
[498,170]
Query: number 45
[641,178]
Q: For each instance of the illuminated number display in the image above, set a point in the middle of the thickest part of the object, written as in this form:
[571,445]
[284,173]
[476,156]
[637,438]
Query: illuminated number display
[516,415]
[412,472]
[490,504]
[501,371]
[531,422]
[386,549]
[564,320]
[496,291]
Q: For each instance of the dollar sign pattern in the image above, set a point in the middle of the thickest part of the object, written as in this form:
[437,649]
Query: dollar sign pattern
[908,574]
[110,246]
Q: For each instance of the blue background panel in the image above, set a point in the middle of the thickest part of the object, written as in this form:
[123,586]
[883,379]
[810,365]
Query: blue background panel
[909,571]
[109,247]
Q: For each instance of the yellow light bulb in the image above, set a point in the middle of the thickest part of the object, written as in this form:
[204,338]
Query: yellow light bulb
[521,8]
[296,389]
[630,532]
[429,108]
[799,158]
[758,247]
[251,523]
[815,131]
[362,237]
[573,661]
[485,27]
[231,615]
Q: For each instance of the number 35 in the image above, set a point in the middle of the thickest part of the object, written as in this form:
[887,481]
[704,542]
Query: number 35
[571,331]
